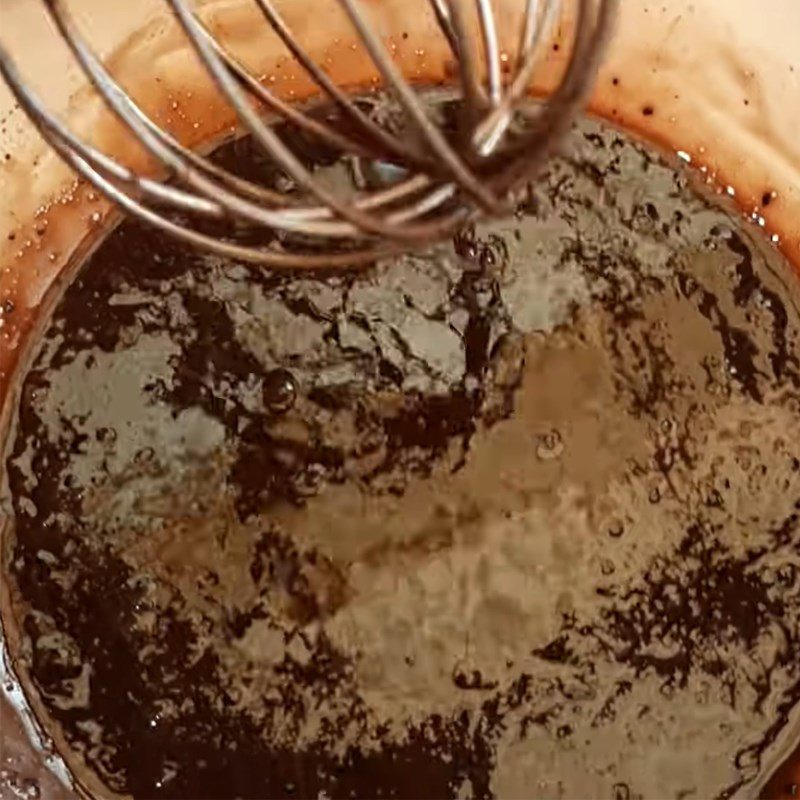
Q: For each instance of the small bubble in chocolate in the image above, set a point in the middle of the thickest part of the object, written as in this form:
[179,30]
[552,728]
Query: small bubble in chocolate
[280,391]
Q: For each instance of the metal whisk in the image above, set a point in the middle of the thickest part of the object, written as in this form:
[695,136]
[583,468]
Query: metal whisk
[439,178]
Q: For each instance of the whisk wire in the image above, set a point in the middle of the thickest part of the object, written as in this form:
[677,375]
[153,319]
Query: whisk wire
[550,121]
[442,10]
[412,105]
[330,136]
[391,145]
[475,97]
[491,47]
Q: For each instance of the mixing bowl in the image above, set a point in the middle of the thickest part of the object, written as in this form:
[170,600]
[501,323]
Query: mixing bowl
[713,84]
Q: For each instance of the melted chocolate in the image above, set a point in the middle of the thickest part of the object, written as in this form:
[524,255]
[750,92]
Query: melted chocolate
[188,605]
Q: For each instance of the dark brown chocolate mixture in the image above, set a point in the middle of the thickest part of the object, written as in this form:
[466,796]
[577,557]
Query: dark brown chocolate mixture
[515,518]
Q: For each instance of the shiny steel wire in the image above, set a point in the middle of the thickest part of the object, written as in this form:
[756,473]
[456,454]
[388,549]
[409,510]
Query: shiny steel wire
[444,181]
